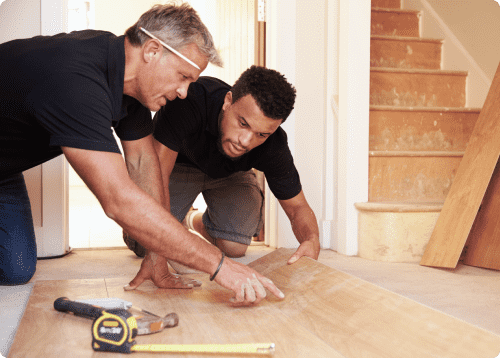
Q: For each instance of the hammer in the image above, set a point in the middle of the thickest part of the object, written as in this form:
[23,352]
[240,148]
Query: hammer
[147,323]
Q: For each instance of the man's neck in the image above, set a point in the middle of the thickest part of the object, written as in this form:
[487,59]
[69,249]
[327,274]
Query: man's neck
[131,66]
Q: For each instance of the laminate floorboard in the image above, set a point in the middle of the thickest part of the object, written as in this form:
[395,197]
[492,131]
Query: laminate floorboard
[326,313]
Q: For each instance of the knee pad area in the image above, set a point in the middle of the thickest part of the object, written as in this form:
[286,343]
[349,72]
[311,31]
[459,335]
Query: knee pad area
[16,268]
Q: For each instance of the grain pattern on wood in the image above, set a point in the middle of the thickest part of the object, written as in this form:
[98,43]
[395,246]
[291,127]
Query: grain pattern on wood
[483,243]
[362,320]
[205,317]
[412,179]
[415,87]
[45,332]
[326,313]
[435,129]
[469,186]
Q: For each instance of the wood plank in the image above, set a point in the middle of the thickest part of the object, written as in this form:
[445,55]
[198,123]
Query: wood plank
[417,87]
[405,52]
[395,22]
[44,332]
[483,243]
[416,179]
[393,4]
[205,317]
[469,186]
[422,128]
[326,313]
[362,320]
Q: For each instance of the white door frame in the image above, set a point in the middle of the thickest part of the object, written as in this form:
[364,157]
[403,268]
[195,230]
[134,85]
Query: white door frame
[347,69]
[53,235]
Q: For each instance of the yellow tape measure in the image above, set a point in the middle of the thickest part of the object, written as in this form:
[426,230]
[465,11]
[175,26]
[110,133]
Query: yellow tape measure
[115,330]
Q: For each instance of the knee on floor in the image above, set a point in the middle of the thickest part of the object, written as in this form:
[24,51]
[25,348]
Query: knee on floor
[17,273]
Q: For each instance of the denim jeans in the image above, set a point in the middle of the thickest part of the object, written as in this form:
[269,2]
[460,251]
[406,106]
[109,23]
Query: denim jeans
[17,235]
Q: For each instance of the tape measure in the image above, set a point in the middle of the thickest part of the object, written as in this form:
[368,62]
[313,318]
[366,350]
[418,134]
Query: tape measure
[114,331]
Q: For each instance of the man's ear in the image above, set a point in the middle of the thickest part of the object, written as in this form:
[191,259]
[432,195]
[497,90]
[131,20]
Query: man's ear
[228,99]
[151,49]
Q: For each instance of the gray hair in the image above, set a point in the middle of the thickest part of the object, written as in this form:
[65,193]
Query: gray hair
[178,26]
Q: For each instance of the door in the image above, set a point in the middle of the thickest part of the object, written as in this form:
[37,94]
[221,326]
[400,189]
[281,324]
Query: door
[45,182]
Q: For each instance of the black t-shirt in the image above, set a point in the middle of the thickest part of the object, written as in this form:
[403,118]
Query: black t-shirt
[190,128]
[64,90]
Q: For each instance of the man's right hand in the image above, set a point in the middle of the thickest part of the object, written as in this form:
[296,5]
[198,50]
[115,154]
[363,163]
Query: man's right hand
[247,284]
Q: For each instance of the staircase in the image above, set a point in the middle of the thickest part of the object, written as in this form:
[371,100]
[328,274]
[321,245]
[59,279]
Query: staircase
[419,129]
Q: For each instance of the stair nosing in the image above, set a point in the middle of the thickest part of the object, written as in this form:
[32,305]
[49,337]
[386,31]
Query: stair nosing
[405,11]
[406,38]
[415,153]
[381,206]
[419,71]
[426,109]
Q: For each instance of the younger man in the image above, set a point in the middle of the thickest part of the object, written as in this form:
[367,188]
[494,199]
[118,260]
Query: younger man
[209,142]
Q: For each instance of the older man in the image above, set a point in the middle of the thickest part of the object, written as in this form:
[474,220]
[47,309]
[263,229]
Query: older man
[64,94]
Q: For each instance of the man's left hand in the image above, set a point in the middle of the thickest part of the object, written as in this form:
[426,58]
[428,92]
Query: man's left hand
[309,248]
[155,268]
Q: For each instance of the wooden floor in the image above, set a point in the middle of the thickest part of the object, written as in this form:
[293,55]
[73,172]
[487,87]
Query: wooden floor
[326,313]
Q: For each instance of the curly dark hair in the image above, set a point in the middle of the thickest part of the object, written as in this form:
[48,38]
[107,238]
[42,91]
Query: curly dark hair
[270,89]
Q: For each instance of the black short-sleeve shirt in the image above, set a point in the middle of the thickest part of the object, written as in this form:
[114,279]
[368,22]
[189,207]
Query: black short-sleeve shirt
[64,90]
[190,127]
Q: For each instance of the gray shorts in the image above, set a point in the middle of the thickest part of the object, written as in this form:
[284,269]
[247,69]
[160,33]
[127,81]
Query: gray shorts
[234,203]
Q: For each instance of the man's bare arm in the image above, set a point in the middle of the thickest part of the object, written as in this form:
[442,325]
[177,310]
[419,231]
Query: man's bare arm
[155,228]
[167,158]
[144,170]
[143,166]
[304,226]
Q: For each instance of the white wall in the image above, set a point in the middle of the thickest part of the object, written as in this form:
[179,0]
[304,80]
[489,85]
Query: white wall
[118,16]
[470,29]
[45,182]
[10,25]
[323,48]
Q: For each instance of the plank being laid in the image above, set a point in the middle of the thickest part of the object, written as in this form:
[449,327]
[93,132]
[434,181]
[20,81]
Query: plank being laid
[326,313]
[469,186]
[44,332]
[360,319]
[205,317]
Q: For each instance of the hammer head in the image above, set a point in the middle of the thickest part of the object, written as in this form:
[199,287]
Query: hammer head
[147,324]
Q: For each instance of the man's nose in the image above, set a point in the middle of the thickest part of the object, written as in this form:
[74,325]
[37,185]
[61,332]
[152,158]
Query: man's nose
[182,91]
[246,138]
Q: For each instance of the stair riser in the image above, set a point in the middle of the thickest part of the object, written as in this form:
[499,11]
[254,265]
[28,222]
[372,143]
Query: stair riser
[394,237]
[394,23]
[417,89]
[411,179]
[387,4]
[420,130]
[401,53]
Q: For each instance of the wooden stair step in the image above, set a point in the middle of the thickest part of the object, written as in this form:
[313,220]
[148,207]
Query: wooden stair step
[387,4]
[417,87]
[396,231]
[395,22]
[421,128]
[415,176]
[405,52]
